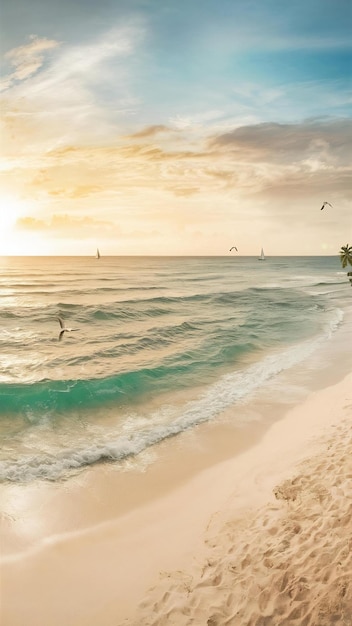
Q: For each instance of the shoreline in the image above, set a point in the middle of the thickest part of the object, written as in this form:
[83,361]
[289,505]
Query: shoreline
[283,558]
[101,566]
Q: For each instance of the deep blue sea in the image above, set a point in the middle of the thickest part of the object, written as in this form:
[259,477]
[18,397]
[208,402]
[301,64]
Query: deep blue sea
[162,344]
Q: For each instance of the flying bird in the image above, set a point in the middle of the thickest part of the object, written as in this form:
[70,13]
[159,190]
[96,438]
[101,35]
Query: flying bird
[233,248]
[324,204]
[64,328]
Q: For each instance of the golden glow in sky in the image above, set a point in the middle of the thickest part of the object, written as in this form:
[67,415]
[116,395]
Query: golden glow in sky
[175,133]
[11,210]
[9,215]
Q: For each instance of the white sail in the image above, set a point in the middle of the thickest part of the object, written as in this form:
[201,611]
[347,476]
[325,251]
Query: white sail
[97,254]
[262,256]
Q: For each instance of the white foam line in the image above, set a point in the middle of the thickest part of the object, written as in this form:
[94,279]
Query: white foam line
[230,389]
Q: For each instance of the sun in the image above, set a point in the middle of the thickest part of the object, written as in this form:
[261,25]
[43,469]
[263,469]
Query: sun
[11,208]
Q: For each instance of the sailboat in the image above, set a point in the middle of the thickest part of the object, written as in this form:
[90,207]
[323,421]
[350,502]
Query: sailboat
[262,256]
[97,256]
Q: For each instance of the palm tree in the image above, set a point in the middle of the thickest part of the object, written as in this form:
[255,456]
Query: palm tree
[346,259]
[346,255]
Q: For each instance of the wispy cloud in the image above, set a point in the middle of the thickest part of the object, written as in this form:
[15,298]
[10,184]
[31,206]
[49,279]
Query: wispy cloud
[183,191]
[68,96]
[266,159]
[27,59]
[195,120]
[150,131]
[165,120]
[61,224]
[80,191]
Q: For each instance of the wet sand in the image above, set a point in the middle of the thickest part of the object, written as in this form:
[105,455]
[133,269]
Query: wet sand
[253,533]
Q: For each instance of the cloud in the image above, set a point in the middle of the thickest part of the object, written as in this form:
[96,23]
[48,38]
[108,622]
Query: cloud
[27,59]
[298,184]
[150,131]
[112,155]
[330,139]
[262,160]
[184,191]
[82,92]
[60,223]
[154,153]
[195,121]
[81,191]
[31,223]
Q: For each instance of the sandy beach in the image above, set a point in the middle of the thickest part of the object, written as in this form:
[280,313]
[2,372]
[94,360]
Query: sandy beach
[175,313]
[260,537]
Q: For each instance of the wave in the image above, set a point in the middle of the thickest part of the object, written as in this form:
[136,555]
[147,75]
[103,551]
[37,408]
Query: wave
[58,396]
[139,308]
[327,283]
[228,390]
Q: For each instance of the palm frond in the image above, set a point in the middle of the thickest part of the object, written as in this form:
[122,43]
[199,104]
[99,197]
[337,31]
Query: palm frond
[346,255]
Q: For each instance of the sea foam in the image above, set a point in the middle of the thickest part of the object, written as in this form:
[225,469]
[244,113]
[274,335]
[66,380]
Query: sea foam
[169,421]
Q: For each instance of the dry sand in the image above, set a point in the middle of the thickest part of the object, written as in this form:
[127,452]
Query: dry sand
[288,562]
[261,539]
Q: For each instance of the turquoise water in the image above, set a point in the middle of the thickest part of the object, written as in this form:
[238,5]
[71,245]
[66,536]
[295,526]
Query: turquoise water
[162,344]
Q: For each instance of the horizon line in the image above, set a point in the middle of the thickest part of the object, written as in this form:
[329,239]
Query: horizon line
[174,256]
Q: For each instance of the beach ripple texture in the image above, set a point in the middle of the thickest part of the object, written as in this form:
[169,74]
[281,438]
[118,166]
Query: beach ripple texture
[162,344]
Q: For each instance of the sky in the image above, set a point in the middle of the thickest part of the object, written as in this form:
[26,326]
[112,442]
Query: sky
[175,127]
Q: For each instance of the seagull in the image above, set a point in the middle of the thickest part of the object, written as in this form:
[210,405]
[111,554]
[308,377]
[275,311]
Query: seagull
[233,248]
[325,203]
[64,328]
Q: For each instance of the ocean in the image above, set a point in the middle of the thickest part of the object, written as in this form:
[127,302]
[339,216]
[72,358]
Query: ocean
[162,345]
